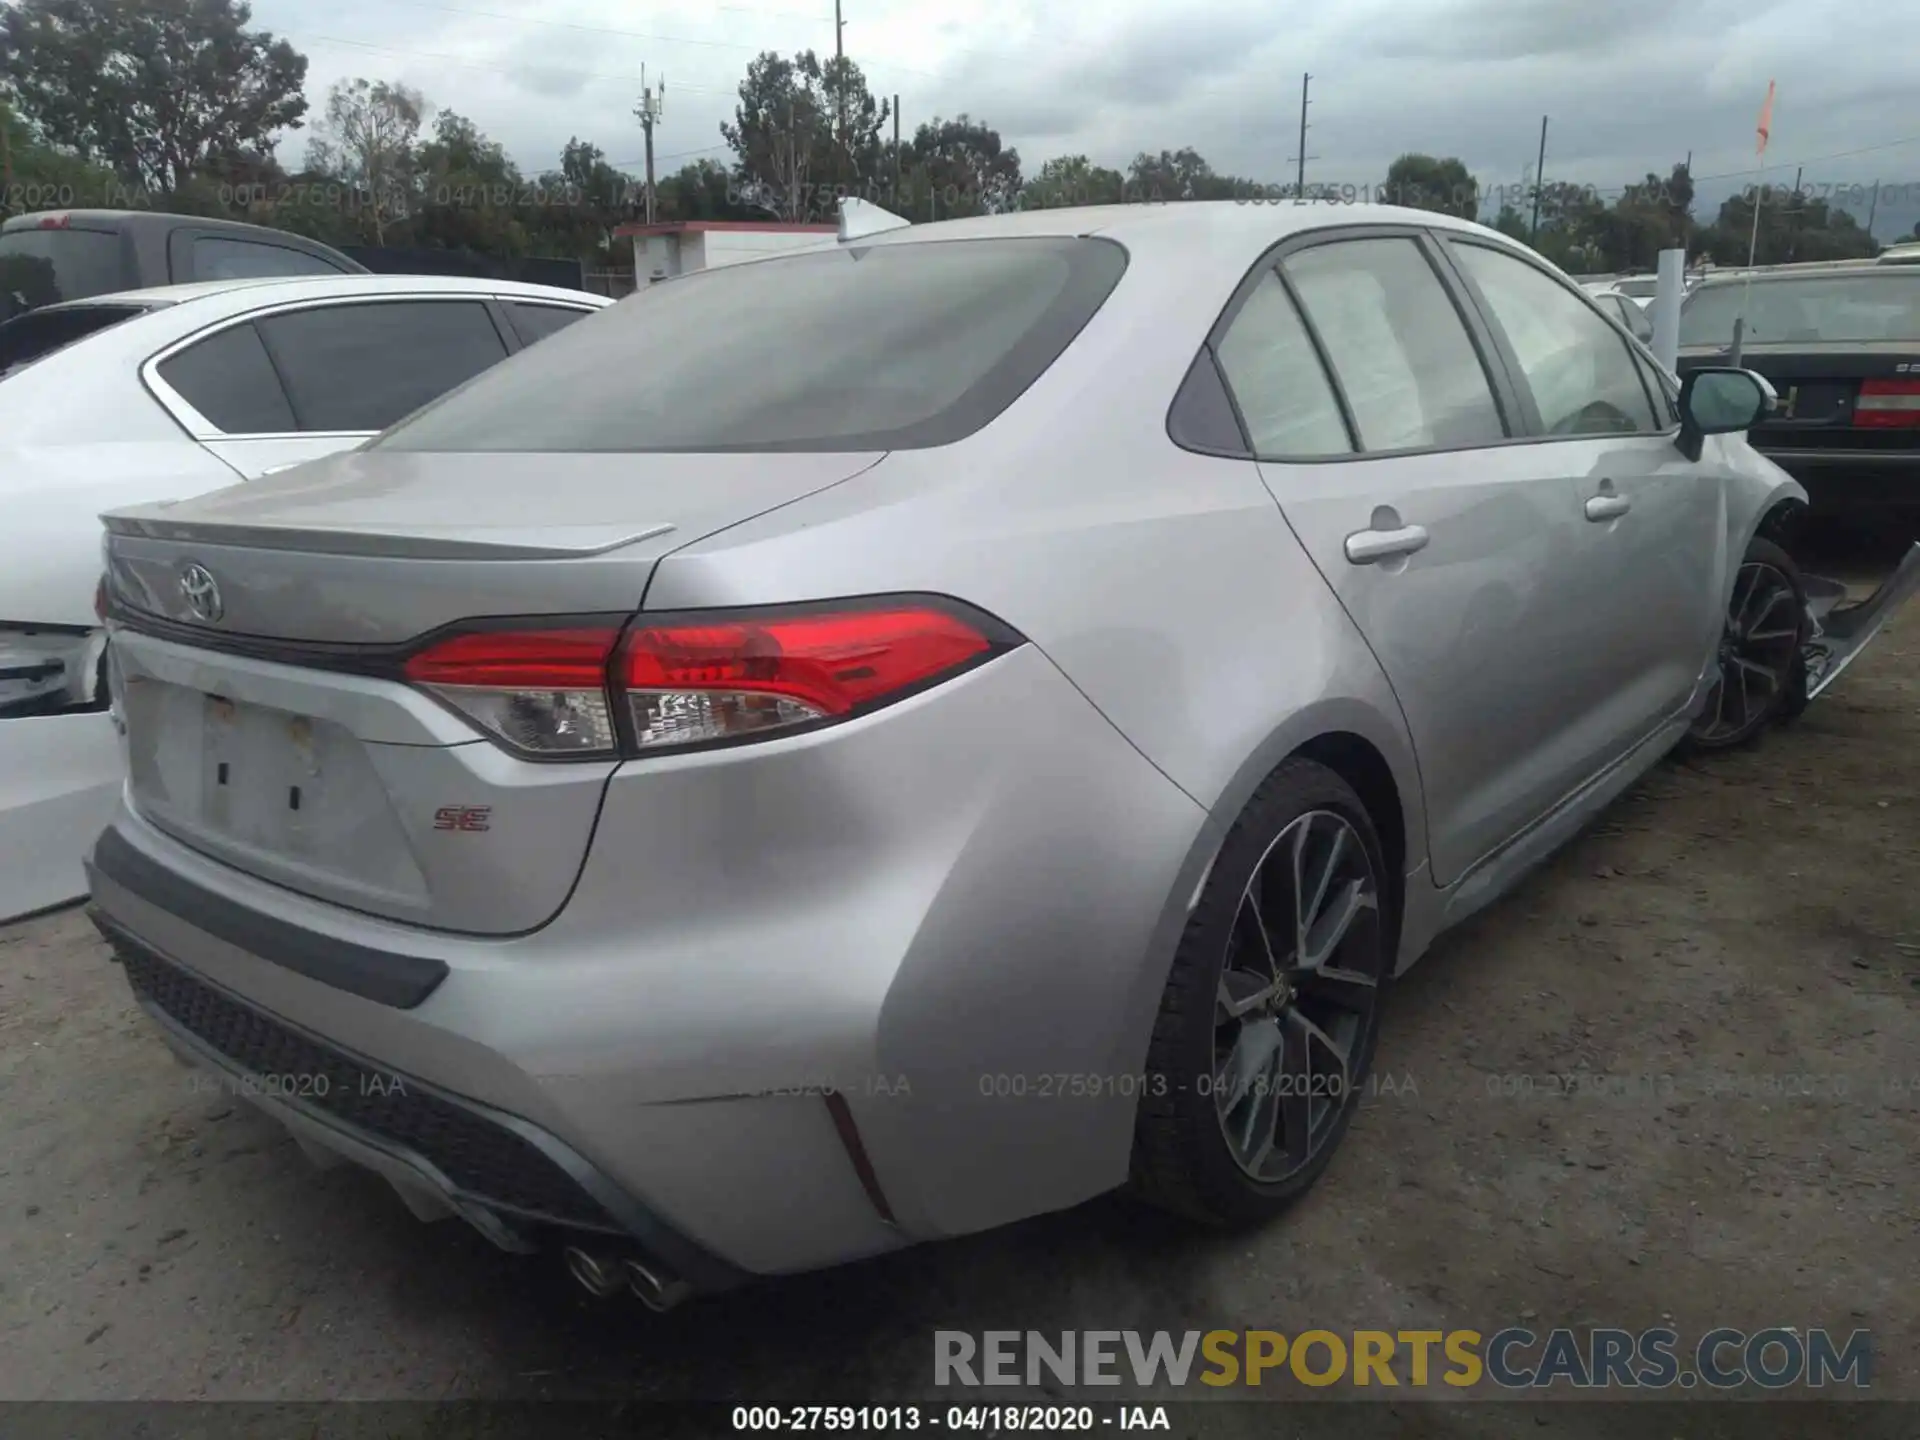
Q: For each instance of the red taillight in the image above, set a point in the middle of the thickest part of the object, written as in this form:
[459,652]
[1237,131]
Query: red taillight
[1887,404]
[56,222]
[542,692]
[100,600]
[518,659]
[693,680]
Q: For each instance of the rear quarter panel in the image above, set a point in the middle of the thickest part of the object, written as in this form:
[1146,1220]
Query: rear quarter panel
[1165,584]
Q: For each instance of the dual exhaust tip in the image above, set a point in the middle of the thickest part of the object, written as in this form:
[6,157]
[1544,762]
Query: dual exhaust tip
[603,1275]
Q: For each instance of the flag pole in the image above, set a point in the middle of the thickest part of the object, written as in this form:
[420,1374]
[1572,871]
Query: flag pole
[1746,286]
[1765,129]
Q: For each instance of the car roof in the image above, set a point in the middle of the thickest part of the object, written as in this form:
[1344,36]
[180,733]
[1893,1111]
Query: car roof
[241,294]
[58,219]
[1257,219]
[1817,271]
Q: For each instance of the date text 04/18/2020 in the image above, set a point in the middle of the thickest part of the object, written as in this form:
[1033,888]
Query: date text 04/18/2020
[903,1419]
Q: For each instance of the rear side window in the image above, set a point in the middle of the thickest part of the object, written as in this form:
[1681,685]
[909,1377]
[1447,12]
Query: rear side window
[228,378]
[887,346]
[1284,396]
[219,257]
[1403,356]
[35,336]
[362,367]
[536,322]
[44,267]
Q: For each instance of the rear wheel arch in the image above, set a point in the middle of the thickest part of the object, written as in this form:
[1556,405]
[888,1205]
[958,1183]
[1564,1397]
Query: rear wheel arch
[1357,761]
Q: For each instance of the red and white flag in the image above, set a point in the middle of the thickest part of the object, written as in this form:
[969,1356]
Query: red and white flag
[1766,121]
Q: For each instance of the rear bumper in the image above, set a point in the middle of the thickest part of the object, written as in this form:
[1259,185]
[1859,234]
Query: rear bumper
[937,913]
[1841,481]
[444,1154]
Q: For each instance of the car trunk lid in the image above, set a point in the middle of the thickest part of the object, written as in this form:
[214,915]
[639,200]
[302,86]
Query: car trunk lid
[258,633]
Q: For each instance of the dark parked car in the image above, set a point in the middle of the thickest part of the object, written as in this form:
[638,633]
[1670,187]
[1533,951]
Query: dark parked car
[1842,348]
[56,255]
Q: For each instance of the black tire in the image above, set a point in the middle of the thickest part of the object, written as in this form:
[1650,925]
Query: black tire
[1759,636]
[1182,1160]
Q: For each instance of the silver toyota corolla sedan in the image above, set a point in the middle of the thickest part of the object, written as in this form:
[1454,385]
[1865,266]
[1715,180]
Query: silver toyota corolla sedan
[871,744]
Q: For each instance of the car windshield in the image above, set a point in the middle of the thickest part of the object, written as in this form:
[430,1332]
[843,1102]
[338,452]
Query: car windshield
[888,346]
[1818,309]
[44,267]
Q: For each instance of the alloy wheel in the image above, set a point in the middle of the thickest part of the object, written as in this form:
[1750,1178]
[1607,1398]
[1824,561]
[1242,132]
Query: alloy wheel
[1757,652]
[1299,988]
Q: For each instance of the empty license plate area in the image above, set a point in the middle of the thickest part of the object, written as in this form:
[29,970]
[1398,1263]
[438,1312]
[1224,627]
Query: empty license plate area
[290,797]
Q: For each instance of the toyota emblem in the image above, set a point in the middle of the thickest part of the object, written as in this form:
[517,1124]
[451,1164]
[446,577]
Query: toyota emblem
[201,592]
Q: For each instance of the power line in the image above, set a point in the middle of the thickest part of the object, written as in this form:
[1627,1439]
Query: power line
[676,155]
[1813,159]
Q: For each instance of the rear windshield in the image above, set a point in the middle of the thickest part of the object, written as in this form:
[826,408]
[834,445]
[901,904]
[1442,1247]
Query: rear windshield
[44,267]
[881,347]
[1864,306]
[33,337]
[1641,289]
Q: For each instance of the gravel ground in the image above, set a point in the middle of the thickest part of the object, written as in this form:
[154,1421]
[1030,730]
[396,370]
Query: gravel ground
[1741,928]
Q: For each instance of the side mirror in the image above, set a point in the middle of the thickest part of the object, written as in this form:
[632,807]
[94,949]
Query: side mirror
[1721,400]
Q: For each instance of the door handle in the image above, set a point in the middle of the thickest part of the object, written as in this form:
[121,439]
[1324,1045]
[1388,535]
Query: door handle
[1366,547]
[1608,507]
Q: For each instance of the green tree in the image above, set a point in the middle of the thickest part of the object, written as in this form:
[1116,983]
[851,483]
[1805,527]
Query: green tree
[1650,216]
[1426,183]
[369,141]
[965,163]
[801,129]
[472,197]
[1511,222]
[37,176]
[702,190]
[1181,174]
[1572,230]
[1073,180]
[152,89]
[1792,227]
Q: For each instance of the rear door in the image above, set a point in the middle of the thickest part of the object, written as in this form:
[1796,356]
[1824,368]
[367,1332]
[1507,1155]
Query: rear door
[1650,558]
[305,381]
[1449,545]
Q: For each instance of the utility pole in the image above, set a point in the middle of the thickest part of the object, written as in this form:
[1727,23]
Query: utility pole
[896,150]
[1539,181]
[840,91]
[1874,208]
[653,104]
[1300,175]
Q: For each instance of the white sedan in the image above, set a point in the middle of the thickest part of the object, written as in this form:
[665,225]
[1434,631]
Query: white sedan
[162,394]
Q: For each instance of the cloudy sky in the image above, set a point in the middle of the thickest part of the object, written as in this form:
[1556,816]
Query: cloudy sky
[1630,86]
